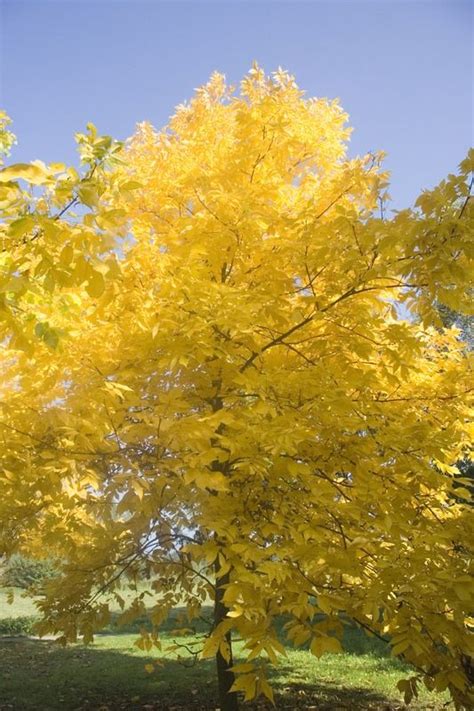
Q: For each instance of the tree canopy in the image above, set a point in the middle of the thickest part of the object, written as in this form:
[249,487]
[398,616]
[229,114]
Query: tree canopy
[224,369]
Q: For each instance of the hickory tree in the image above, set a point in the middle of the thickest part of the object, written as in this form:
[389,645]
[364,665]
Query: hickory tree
[224,370]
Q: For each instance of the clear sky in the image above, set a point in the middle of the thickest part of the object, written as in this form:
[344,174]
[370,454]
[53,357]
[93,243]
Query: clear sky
[403,69]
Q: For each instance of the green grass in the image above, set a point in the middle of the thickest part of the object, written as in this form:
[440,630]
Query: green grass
[110,674]
[21,607]
[24,606]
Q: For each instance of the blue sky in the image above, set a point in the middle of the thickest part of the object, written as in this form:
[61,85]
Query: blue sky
[401,68]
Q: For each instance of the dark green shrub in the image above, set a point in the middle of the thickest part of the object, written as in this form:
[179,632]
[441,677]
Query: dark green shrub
[22,572]
[17,625]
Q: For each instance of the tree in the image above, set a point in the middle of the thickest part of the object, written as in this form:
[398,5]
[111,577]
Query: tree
[240,410]
[465,324]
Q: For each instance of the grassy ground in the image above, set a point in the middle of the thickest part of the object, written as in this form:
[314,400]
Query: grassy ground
[110,675]
[21,606]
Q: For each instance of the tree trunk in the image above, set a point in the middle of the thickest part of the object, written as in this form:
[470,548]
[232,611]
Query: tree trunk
[228,701]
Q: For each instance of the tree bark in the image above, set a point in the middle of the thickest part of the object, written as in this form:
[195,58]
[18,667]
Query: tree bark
[228,701]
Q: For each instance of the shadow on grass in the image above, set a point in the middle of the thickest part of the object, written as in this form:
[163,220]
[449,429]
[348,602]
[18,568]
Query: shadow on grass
[327,696]
[38,675]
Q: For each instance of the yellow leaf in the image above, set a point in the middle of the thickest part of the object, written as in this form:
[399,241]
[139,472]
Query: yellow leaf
[242,668]
[95,285]
[267,690]
[457,679]
[66,255]
[324,603]
[246,683]
[210,647]
[137,488]
[236,612]
[33,174]
[22,226]
[224,649]
[325,645]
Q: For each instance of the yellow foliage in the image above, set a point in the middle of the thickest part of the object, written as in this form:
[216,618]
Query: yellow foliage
[228,364]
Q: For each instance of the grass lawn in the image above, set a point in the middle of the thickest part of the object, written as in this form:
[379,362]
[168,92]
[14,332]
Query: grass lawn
[110,675]
[21,606]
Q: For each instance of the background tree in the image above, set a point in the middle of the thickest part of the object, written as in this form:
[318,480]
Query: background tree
[241,412]
[465,324]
